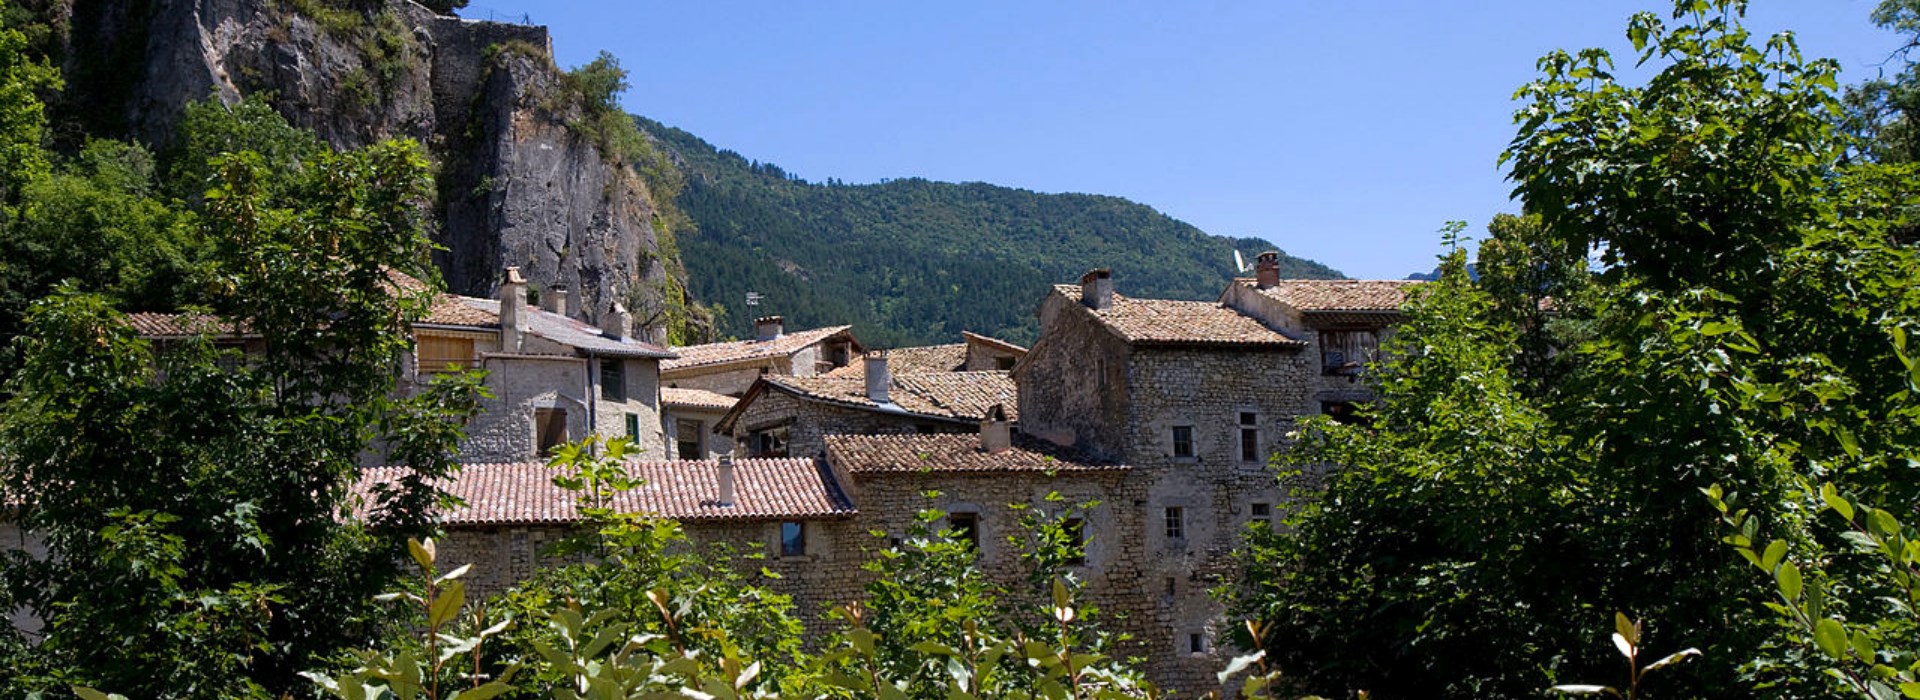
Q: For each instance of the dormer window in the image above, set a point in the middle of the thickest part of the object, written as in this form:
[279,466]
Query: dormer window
[1347,352]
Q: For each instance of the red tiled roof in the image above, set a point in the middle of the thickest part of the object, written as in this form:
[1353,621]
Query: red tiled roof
[922,359]
[877,454]
[1166,322]
[696,398]
[1312,296]
[523,493]
[711,354]
[159,325]
[450,310]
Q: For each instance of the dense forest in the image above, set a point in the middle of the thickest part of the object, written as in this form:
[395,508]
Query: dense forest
[913,261]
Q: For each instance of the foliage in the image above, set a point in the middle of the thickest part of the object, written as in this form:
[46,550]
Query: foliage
[209,128]
[914,262]
[1884,113]
[196,503]
[1851,613]
[23,121]
[1626,638]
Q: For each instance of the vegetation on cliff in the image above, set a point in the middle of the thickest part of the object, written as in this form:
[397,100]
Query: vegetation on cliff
[914,262]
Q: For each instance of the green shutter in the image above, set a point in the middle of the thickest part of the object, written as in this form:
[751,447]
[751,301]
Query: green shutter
[633,427]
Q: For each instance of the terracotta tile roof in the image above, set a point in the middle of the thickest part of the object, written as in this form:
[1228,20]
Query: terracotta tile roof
[696,398]
[1312,296]
[960,396]
[880,454]
[913,360]
[450,310]
[571,332]
[712,354]
[160,325]
[1166,322]
[523,493]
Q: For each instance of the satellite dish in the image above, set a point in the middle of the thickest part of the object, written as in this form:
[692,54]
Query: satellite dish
[1239,262]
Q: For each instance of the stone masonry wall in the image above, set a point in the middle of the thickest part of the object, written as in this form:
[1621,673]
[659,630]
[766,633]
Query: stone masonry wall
[732,380]
[808,421]
[1206,390]
[1073,383]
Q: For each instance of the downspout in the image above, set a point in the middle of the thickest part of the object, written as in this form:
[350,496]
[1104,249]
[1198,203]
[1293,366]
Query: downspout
[593,404]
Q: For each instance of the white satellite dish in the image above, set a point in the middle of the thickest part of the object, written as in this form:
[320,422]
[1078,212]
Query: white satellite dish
[1239,262]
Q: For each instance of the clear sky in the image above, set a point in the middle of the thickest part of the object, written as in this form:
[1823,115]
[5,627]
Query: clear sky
[1343,131]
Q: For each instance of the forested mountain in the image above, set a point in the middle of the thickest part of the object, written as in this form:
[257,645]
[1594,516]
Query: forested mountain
[913,261]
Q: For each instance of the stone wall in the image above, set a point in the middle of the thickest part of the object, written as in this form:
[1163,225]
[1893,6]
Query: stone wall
[807,421]
[713,444]
[729,380]
[1206,390]
[1073,383]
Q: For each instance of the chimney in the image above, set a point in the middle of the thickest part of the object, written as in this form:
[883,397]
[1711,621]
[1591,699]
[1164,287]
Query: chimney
[657,335]
[1266,270]
[513,309]
[877,377]
[1096,289]
[616,322]
[996,435]
[555,299]
[769,327]
[725,473]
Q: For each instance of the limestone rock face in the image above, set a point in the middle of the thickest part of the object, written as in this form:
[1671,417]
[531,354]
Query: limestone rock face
[517,185]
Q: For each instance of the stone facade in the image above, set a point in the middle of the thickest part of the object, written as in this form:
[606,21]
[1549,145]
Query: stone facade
[805,422]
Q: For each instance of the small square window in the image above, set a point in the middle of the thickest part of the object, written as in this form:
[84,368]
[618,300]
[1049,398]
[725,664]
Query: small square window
[1249,418]
[689,439]
[793,539]
[613,380]
[1196,643]
[549,428]
[1260,513]
[965,527]
[1176,523]
[1183,442]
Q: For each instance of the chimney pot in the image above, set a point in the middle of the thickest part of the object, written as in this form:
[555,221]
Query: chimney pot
[1266,270]
[513,309]
[724,471]
[1096,289]
[996,434]
[556,299]
[616,323]
[878,378]
[769,327]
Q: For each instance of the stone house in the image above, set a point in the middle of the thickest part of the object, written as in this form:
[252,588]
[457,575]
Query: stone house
[730,368]
[790,416]
[689,417]
[1195,397]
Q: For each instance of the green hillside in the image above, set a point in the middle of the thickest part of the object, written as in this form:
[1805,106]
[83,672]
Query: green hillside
[914,261]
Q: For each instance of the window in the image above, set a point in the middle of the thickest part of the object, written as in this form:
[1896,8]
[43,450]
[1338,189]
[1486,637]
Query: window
[633,428]
[1343,413]
[793,539]
[613,380]
[689,436]
[1004,364]
[549,428]
[1077,536]
[1176,523]
[1346,352]
[1249,437]
[1183,442]
[1170,586]
[769,442]
[965,527]
[1260,513]
[1196,643]
[442,354]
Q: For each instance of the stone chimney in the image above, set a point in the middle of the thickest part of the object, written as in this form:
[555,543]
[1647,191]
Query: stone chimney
[1096,289]
[1266,270]
[996,434]
[616,323]
[878,378]
[513,309]
[769,327]
[556,299]
[724,472]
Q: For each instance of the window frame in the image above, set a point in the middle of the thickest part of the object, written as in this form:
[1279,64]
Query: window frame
[795,545]
[544,420]
[1175,523]
[633,428]
[1260,512]
[1250,437]
[613,379]
[680,439]
[1076,529]
[1187,446]
[969,533]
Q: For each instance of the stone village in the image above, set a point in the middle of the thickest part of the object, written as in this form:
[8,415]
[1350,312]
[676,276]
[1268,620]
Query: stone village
[802,443]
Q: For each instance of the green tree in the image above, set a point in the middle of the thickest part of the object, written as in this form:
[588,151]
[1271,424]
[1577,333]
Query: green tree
[197,505]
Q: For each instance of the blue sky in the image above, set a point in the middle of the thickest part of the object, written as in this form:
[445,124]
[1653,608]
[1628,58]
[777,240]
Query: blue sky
[1345,132]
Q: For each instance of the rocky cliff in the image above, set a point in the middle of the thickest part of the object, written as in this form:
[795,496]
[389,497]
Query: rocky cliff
[519,184]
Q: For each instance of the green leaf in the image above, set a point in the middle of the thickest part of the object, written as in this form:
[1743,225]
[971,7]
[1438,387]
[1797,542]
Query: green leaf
[422,552]
[1776,550]
[1789,577]
[1831,637]
[1863,645]
[1836,502]
[1626,628]
[448,605]
[1672,659]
